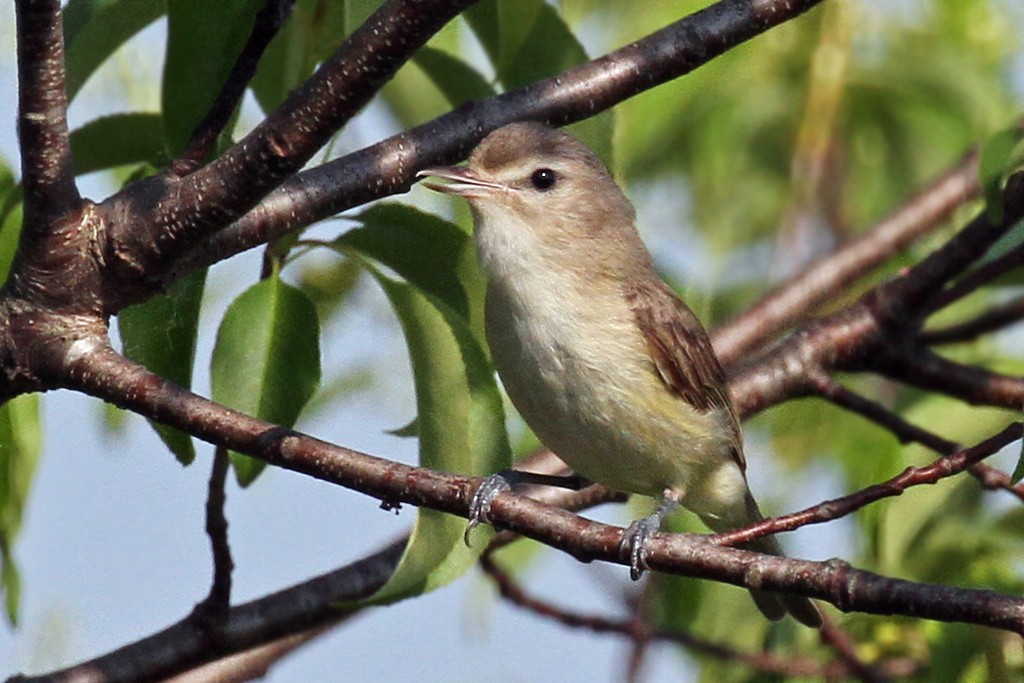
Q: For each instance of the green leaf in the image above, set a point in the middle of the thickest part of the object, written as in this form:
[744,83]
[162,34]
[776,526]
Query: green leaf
[461,428]
[118,140]
[457,80]
[20,444]
[1001,155]
[266,361]
[94,29]
[422,248]
[528,41]
[161,334]
[11,195]
[203,41]
[1018,471]
[312,32]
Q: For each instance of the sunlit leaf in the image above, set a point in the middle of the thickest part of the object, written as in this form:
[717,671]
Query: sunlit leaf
[266,361]
[118,140]
[461,428]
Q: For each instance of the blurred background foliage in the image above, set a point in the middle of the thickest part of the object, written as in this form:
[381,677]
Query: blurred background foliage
[744,172]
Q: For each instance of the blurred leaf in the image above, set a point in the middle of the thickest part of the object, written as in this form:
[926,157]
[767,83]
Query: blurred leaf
[328,285]
[20,446]
[203,42]
[1001,156]
[457,80]
[266,361]
[161,334]
[11,194]
[422,248]
[118,140]
[94,29]
[312,32]
[461,428]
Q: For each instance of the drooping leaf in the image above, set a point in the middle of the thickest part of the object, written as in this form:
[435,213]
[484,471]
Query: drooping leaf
[20,443]
[461,428]
[94,29]
[203,42]
[266,361]
[422,248]
[161,334]
[117,140]
[457,80]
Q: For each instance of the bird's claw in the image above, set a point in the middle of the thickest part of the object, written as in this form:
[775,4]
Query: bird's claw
[634,540]
[480,505]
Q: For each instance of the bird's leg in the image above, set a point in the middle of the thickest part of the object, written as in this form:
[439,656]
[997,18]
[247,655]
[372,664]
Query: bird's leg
[480,506]
[637,534]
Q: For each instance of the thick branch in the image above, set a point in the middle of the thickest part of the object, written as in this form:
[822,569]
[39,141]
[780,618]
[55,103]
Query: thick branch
[102,373]
[389,167]
[232,184]
[46,167]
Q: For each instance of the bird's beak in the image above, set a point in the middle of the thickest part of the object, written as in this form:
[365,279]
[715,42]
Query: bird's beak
[463,181]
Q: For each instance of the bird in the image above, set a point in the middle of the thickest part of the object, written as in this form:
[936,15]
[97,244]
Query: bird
[607,366]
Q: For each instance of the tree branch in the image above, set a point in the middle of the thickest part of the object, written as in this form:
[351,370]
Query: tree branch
[104,374]
[389,167]
[800,295]
[944,467]
[203,202]
[46,167]
[184,646]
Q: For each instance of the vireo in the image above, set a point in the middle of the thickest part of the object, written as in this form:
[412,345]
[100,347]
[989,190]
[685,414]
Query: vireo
[604,362]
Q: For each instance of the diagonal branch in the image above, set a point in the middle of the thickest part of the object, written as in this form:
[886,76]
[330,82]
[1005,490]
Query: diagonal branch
[389,167]
[800,295]
[944,467]
[100,372]
[998,317]
[229,186]
[46,167]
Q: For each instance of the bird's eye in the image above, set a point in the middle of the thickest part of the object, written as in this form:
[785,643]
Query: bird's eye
[543,179]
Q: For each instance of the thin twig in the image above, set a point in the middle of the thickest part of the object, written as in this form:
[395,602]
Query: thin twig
[996,318]
[641,633]
[946,466]
[213,610]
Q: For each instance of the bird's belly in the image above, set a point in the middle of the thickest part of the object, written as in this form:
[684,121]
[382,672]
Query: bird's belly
[588,391]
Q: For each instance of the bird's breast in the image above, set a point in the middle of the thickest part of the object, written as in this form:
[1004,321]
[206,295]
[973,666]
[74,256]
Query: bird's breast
[576,367]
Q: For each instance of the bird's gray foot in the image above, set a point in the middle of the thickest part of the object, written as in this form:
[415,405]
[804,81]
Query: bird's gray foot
[635,540]
[638,534]
[480,506]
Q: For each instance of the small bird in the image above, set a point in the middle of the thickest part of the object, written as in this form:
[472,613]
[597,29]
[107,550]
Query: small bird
[603,361]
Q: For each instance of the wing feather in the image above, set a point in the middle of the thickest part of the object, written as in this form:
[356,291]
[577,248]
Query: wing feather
[681,353]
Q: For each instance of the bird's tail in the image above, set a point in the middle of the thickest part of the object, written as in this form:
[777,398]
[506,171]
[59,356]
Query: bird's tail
[773,605]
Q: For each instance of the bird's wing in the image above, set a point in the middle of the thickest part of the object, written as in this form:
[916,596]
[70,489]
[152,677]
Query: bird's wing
[681,353]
